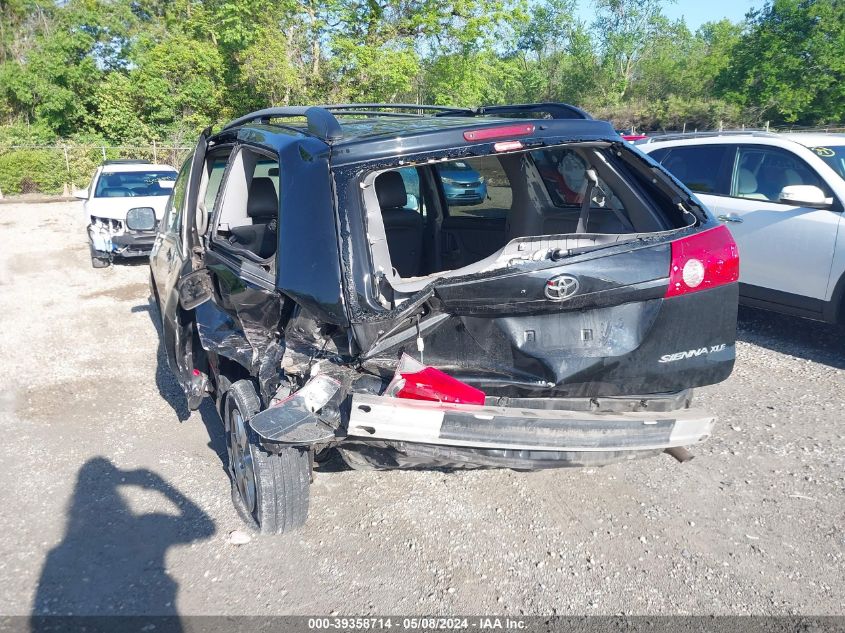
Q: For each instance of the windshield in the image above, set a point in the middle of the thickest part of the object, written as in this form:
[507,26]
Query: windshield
[833,156]
[128,184]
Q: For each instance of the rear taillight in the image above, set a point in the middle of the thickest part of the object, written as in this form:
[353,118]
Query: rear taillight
[416,381]
[702,261]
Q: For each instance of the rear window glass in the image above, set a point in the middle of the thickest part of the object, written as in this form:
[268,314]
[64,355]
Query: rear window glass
[698,167]
[476,188]
[132,184]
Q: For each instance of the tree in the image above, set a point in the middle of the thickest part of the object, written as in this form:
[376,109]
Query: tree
[116,110]
[790,64]
[178,84]
[626,31]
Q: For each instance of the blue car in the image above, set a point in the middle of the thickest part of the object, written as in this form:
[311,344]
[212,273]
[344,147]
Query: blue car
[462,184]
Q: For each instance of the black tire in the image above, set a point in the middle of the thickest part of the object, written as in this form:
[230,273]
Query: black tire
[280,481]
[99,259]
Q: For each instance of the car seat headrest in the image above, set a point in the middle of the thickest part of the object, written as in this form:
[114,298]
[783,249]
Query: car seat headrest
[262,200]
[390,190]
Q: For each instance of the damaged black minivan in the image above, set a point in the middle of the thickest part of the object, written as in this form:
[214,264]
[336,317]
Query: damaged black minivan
[420,286]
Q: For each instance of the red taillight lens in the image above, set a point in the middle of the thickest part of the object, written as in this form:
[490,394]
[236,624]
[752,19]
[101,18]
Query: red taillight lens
[416,381]
[703,261]
[505,131]
[433,385]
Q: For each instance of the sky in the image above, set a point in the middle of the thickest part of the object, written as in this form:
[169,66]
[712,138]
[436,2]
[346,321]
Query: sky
[694,12]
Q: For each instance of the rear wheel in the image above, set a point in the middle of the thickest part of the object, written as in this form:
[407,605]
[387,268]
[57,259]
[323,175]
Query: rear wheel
[269,490]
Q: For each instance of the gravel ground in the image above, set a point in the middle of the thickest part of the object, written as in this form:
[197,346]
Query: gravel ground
[116,500]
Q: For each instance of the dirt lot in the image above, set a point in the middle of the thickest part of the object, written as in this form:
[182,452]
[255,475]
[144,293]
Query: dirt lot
[115,500]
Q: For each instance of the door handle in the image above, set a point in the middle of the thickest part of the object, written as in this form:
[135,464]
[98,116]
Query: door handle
[730,218]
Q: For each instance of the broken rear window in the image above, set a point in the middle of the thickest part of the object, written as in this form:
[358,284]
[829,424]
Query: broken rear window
[449,217]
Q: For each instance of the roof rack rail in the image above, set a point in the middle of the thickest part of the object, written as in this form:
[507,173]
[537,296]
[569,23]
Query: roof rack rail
[656,137]
[126,161]
[556,110]
[321,122]
[374,109]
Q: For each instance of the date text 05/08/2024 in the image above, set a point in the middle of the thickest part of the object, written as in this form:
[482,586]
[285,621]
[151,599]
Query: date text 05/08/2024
[415,624]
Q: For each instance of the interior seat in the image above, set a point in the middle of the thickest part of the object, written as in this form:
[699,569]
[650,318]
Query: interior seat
[747,185]
[402,226]
[117,192]
[776,179]
[262,206]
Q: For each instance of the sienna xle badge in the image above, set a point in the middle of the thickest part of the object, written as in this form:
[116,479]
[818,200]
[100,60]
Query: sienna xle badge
[421,286]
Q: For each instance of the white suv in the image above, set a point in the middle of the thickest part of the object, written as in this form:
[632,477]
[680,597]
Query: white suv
[782,197]
[123,205]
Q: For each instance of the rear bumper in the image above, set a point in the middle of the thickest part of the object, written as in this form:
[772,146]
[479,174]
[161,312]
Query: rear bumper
[386,419]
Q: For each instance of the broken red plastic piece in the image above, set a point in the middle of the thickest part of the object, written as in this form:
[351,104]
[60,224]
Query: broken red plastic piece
[416,381]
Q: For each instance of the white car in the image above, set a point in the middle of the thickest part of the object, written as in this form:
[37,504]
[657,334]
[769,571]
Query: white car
[782,197]
[123,205]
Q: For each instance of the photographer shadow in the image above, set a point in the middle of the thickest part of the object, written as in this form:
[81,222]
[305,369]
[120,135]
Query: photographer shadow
[111,560]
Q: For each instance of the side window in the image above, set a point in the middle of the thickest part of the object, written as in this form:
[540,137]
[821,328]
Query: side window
[476,188]
[762,172]
[247,220]
[216,169]
[659,154]
[173,211]
[412,188]
[699,167]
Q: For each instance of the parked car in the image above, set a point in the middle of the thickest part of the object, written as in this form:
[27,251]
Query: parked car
[123,205]
[782,197]
[462,185]
[325,305]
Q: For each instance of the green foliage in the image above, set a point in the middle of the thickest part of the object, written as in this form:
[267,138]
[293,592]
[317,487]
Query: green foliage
[116,110]
[270,71]
[790,64]
[471,79]
[178,83]
[627,31]
[130,71]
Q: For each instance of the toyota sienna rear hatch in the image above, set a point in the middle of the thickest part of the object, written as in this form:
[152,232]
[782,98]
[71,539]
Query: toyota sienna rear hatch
[561,264]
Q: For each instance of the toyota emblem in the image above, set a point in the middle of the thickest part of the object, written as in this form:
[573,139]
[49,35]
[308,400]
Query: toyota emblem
[561,287]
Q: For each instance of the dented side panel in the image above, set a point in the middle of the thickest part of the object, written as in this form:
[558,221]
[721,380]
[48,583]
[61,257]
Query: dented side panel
[242,323]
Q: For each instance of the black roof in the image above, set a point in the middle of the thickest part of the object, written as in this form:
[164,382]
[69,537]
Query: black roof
[347,122]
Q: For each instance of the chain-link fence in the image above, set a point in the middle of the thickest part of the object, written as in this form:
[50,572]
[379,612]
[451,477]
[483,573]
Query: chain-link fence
[58,169]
